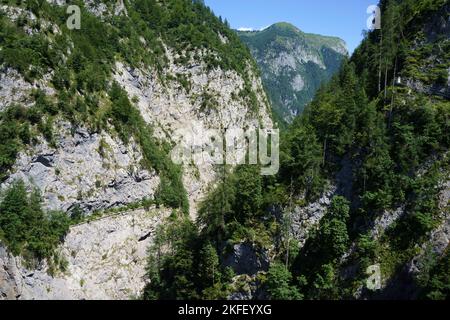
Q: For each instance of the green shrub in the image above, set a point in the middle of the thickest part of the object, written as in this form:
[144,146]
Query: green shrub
[25,228]
[279,285]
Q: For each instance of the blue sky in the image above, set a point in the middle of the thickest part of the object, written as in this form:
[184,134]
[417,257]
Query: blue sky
[342,18]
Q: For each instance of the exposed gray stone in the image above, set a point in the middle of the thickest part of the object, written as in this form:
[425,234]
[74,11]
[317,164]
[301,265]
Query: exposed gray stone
[247,259]
[77,172]
[174,112]
[106,260]
[306,218]
[13,89]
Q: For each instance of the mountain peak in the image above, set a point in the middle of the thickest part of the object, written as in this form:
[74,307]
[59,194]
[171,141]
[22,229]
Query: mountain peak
[278,27]
[294,64]
[285,26]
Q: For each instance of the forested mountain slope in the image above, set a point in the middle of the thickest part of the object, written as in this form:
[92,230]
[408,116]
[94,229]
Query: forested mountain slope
[364,183]
[88,118]
[92,206]
[293,64]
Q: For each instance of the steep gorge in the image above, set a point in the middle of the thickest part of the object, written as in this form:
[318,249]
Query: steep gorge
[363,179]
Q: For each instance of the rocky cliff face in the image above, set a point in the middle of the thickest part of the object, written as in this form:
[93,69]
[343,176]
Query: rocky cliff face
[429,71]
[96,171]
[102,259]
[293,64]
[403,286]
[178,116]
[93,171]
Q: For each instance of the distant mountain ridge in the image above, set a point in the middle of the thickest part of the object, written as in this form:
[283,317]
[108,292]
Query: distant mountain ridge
[294,64]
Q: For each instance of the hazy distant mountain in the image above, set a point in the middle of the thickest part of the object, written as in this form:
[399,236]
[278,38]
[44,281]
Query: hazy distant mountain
[294,64]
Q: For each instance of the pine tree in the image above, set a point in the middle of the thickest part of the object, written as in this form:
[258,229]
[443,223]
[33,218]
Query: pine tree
[12,207]
[279,284]
[208,267]
[217,209]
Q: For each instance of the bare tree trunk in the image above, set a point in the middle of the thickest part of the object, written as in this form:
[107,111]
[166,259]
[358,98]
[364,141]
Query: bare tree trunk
[393,93]
[364,183]
[381,57]
[289,221]
[385,80]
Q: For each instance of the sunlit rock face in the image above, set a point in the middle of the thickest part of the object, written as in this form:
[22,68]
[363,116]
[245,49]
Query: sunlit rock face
[104,259]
